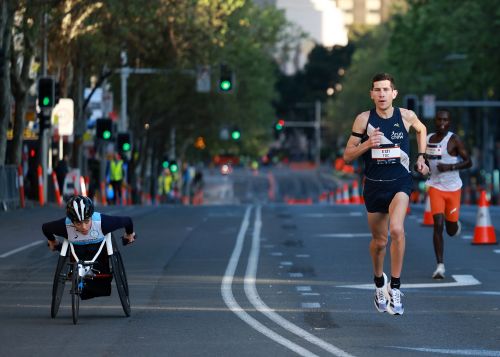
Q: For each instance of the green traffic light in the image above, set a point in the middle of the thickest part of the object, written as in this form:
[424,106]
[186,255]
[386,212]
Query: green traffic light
[106,134]
[235,135]
[165,164]
[225,85]
[174,168]
[126,146]
[46,101]
[279,126]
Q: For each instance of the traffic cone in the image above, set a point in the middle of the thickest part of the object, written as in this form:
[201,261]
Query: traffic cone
[428,219]
[338,196]
[355,199]
[484,232]
[345,199]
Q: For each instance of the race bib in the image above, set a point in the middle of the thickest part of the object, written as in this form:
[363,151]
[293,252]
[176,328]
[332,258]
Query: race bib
[386,154]
[434,151]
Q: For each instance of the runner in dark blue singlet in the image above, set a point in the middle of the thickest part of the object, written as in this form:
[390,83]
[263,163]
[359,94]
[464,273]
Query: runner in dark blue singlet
[380,136]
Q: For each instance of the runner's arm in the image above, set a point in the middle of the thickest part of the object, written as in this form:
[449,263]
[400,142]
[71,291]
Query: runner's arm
[411,119]
[53,229]
[112,223]
[354,148]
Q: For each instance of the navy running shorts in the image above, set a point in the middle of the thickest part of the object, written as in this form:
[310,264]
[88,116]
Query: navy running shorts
[379,194]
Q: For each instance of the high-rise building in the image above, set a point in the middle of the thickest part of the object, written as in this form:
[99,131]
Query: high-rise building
[364,12]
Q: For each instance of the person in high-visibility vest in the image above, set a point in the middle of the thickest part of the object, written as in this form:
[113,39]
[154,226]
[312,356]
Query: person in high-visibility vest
[116,174]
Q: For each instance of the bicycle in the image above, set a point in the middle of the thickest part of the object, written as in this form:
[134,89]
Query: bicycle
[79,271]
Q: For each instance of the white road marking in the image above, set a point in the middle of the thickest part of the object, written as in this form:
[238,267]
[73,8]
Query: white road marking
[20,249]
[303,288]
[310,305]
[466,236]
[286,263]
[343,235]
[296,275]
[277,254]
[302,255]
[460,280]
[496,251]
[310,294]
[455,352]
[324,215]
[227,295]
[258,303]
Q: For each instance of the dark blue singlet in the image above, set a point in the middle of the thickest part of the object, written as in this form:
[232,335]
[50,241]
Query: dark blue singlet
[383,181]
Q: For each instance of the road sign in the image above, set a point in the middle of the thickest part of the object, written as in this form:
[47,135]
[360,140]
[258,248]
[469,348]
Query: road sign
[63,116]
[203,79]
[429,106]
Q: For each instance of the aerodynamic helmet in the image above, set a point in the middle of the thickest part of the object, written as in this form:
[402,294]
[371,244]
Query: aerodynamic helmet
[79,208]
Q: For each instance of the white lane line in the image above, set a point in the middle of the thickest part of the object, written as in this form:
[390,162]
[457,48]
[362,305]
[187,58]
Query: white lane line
[455,352]
[323,215]
[296,275]
[258,303]
[343,235]
[303,288]
[496,251]
[277,254]
[20,249]
[302,255]
[230,301]
[310,305]
[287,263]
[460,280]
[310,294]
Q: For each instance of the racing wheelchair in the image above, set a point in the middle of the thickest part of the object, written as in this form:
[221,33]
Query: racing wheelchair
[82,272]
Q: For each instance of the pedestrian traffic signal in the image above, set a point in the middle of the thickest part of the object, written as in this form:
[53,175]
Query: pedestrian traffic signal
[104,128]
[280,124]
[235,134]
[46,92]
[165,163]
[226,79]
[123,142]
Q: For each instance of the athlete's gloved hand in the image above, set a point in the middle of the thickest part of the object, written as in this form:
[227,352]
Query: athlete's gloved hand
[421,166]
[128,238]
[54,245]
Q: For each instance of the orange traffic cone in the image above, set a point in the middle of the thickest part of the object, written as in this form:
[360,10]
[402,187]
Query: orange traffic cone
[345,199]
[428,220]
[355,199]
[484,232]
[338,196]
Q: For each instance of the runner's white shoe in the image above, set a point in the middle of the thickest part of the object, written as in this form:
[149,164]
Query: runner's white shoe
[379,300]
[395,305]
[439,272]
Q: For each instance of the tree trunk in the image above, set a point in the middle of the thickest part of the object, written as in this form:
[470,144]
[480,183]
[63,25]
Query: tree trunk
[6,18]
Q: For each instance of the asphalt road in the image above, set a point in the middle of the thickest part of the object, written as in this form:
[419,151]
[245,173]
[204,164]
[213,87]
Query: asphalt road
[248,275]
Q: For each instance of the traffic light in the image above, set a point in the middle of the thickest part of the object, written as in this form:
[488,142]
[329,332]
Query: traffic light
[280,124]
[124,142]
[104,128]
[46,92]
[173,167]
[165,163]
[411,102]
[226,79]
[235,134]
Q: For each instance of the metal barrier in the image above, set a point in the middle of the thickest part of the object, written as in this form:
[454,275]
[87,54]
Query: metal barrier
[9,190]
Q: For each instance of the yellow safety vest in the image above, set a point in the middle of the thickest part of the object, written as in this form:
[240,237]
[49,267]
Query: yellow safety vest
[116,170]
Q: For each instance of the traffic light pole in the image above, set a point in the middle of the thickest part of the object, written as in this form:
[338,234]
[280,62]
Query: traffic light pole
[316,124]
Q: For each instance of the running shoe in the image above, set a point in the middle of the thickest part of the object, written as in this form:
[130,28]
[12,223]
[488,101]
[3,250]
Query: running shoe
[395,305]
[459,229]
[379,300]
[439,272]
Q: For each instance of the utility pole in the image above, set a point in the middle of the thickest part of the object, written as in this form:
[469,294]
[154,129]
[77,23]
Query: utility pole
[124,73]
[44,135]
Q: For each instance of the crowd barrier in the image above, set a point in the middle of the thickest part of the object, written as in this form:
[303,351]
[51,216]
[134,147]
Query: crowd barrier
[9,188]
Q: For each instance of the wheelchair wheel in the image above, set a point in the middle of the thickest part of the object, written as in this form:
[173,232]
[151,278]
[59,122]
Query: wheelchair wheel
[60,277]
[121,281]
[75,292]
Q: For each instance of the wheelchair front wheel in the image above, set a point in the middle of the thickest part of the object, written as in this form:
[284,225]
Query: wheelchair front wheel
[76,288]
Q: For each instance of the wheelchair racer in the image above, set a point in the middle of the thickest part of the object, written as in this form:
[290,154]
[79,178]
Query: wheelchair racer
[86,229]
